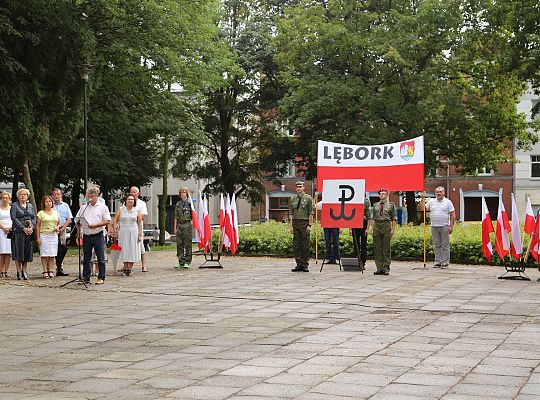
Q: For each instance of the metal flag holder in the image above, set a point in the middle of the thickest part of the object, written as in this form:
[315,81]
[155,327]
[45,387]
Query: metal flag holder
[211,259]
[515,266]
[518,266]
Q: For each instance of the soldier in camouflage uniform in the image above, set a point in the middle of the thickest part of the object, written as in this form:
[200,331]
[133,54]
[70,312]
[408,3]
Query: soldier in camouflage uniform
[301,216]
[183,229]
[383,221]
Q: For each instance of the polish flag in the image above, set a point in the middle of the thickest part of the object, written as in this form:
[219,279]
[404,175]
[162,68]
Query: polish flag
[529,218]
[487,228]
[535,242]
[516,247]
[502,240]
[194,220]
[229,227]
[235,218]
[200,236]
[222,222]
[207,230]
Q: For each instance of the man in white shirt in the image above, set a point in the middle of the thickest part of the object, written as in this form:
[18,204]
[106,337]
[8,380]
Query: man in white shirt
[92,219]
[442,216]
[141,206]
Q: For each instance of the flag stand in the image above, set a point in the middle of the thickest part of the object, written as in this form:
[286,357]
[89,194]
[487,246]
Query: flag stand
[424,268]
[211,259]
[518,266]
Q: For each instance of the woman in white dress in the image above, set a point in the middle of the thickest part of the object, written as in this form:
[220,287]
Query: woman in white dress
[5,228]
[127,229]
[47,235]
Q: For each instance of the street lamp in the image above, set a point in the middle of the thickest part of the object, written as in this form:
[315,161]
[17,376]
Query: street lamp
[85,69]
[446,162]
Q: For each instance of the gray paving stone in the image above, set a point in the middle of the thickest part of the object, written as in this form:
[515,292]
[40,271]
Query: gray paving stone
[204,392]
[345,389]
[274,390]
[261,332]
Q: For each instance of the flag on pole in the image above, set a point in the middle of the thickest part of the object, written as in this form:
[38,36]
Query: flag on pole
[516,247]
[194,220]
[502,240]
[223,222]
[207,229]
[229,229]
[529,218]
[200,236]
[487,228]
[535,242]
[235,219]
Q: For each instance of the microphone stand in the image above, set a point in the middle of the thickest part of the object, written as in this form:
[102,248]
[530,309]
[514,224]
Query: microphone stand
[79,279]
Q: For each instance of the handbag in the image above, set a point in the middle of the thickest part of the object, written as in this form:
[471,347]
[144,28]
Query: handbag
[9,235]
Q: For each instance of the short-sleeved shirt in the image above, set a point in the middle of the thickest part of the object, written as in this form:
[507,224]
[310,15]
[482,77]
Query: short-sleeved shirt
[386,213]
[48,222]
[141,206]
[301,206]
[94,214]
[182,211]
[64,211]
[439,211]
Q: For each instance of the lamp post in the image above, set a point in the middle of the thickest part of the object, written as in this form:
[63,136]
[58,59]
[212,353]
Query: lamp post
[446,162]
[85,69]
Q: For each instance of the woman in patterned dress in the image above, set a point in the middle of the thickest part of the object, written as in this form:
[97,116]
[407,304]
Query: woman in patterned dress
[23,217]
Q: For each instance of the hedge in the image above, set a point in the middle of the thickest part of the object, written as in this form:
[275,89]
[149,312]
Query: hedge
[275,239]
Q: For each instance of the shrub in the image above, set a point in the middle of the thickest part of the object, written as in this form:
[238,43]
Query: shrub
[275,238]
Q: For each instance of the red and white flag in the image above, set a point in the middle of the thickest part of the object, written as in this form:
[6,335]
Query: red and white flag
[199,236]
[207,230]
[502,239]
[529,218]
[194,220]
[343,203]
[235,219]
[229,228]
[516,247]
[394,166]
[487,228]
[203,236]
[535,242]
[222,222]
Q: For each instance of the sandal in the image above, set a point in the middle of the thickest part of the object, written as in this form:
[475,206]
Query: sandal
[50,274]
[144,269]
[45,275]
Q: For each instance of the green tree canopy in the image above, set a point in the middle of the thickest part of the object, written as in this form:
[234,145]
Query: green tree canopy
[375,72]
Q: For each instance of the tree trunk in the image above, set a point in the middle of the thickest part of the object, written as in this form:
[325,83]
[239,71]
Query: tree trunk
[412,212]
[15,184]
[162,210]
[27,178]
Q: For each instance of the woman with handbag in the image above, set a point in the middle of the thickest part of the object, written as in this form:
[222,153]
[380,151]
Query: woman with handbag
[5,233]
[23,217]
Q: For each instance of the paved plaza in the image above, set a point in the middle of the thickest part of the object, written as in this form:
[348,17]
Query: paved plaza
[256,331]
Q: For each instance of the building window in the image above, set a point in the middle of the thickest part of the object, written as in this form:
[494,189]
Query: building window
[484,172]
[535,166]
[289,170]
[278,209]
[284,129]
